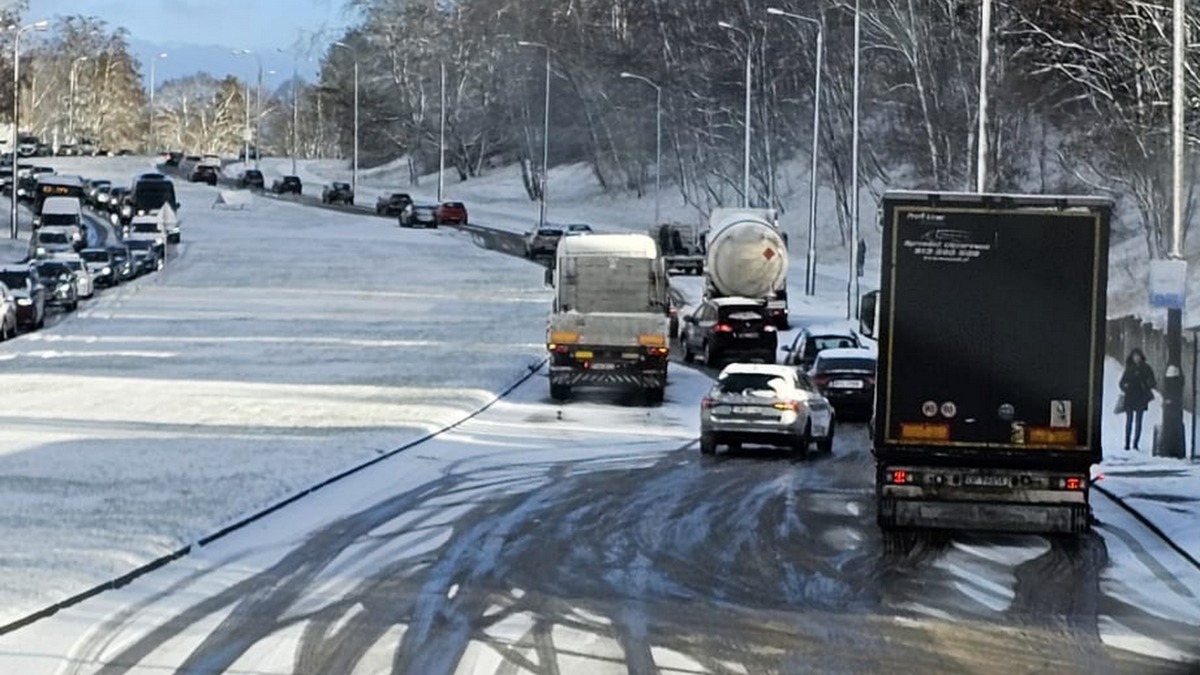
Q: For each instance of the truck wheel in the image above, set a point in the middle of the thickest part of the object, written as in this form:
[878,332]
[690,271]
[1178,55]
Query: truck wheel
[654,396]
[708,444]
[560,392]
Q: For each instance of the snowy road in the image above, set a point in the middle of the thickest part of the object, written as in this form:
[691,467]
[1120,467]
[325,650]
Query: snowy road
[603,543]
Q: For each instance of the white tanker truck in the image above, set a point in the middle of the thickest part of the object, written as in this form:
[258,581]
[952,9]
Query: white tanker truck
[746,256]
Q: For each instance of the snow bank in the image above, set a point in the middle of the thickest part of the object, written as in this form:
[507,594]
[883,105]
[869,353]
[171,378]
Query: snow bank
[283,344]
[1165,491]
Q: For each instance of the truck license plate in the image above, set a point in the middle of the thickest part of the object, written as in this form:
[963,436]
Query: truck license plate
[987,481]
[604,366]
[846,384]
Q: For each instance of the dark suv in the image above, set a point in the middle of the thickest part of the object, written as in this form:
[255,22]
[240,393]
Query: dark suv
[813,340]
[726,329]
[847,378]
[252,179]
[393,204]
[338,193]
[204,173]
[62,286]
[287,185]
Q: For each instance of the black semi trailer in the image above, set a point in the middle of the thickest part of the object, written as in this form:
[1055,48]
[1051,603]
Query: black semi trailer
[990,320]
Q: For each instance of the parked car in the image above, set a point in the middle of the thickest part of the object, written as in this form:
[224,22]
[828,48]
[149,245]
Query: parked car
[122,262]
[727,329]
[576,229]
[451,213]
[101,264]
[243,155]
[419,215]
[393,204]
[67,150]
[251,179]
[172,158]
[337,193]
[145,255]
[29,293]
[287,185]
[203,173]
[847,378]
[62,290]
[765,404]
[83,276]
[87,147]
[812,340]
[8,313]
[542,241]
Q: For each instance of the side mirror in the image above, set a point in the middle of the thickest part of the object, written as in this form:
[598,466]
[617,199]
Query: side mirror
[786,348]
[690,318]
[868,312]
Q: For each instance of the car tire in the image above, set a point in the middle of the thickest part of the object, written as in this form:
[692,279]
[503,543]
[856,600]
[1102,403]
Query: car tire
[802,444]
[768,358]
[825,445]
[41,322]
[711,358]
[708,444]
[560,392]
[688,356]
[73,306]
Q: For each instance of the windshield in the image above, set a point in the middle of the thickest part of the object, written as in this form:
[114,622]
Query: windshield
[741,383]
[139,244]
[75,265]
[145,227]
[15,280]
[95,256]
[150,195]
[53,271]
[120,254]
[53,238]
[59,219]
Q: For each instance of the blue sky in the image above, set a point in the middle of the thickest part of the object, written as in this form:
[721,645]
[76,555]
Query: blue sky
[203,32]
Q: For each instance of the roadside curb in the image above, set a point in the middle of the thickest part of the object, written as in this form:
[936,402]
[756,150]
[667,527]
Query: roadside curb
[1149,524]
[136,573]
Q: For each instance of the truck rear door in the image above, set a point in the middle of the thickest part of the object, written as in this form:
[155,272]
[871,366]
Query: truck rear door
[992,339]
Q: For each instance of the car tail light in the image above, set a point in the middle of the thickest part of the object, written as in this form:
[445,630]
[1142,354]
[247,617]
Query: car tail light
[787,405]
[769,328]
[723,328]
[707,402]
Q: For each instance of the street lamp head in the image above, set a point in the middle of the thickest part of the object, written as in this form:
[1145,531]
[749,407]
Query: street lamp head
[726,24]
[775,11]
[162,55]
[628,75]
[41,25]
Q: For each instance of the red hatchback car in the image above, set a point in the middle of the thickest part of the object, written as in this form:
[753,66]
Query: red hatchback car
[451,213]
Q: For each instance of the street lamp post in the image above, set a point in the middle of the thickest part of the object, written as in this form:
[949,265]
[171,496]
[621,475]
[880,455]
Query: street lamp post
[257,104]
[852,288]
[545,133]
[150,126]
[354,168]
[20,30]
[746,149]
[295,105]
[1171,441]
[810,270]
[657,143]
[985,34]
[442,132]
[71,94]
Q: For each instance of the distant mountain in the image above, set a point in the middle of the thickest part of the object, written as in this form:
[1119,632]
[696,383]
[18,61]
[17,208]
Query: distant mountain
[185,59]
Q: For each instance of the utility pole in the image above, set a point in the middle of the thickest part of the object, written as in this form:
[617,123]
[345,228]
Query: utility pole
[442,134]
[71,102]
[657,143]
[354,168]
[150,113]
[545,134]
[1171,441]
[852,289]
[985,34]
[16,134]
[746,124]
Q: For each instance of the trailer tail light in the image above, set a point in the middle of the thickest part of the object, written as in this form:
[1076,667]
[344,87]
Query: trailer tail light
[658,351]
[723,328]
[1073,483]
[557,348]
[899,476]
[787,405]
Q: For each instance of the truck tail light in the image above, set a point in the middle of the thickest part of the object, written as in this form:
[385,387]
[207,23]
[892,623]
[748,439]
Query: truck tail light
[899,476]
[769,328]
[1073,483]
[560,349]
[723,328]
[658,351]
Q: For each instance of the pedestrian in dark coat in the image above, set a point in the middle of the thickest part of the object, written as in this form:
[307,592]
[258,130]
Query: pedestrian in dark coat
[1137,390]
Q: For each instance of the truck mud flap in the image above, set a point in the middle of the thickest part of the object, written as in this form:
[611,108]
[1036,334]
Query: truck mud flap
[610,378]
[984,516]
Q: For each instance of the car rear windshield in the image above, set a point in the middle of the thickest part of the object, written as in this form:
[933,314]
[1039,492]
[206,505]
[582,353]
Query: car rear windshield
[737,383]
[54,238]
[550,232]
[95,256]
[864,364]
[145,227]
[822,343]
[153,194]
[453,205]
[52,271]
[139,244]
[742,313]
[253,174]
[59,219]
